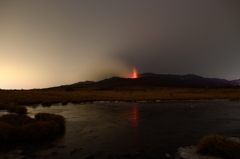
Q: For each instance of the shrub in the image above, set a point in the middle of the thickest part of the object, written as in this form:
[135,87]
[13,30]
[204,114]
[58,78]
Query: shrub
[47,103]
[22,127]
[11,108]
[43,116]
[16,109]
[65,102]
[24,119]
[11,119]
[7,131]
[21,110]
[3,106]
[219,146]
[46,117]
[16,120]
[39,130]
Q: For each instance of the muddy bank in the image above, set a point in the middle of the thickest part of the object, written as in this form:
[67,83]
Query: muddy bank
[131,130]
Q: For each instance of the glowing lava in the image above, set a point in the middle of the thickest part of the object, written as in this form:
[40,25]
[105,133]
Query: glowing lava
[134,74]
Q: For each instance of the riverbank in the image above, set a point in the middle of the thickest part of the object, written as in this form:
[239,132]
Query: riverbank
[51,96]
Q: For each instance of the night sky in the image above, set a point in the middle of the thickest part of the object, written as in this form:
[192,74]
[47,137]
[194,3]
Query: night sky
[47,43]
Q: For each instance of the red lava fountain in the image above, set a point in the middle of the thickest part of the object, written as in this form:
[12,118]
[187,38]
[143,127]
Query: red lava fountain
[134,74]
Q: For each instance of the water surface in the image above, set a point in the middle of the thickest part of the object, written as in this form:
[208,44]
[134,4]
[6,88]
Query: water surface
[116,129]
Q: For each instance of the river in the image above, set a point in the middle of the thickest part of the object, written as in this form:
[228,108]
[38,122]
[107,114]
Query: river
[133,130]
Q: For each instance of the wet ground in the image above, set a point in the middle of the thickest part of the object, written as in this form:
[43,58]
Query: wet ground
[130,130]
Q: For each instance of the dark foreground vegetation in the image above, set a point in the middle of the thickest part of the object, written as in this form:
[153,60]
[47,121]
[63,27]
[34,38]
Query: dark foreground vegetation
[16,127]
[219,146]
[13,108]
[20,127]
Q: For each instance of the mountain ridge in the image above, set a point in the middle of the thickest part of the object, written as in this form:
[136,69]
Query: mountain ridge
[158,80]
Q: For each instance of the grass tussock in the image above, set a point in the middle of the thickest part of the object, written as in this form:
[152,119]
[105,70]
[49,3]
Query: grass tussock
[60,120]
[2,106]
[16,120]
[219,146]
[7,131]
[15,109]
[39,130]
[22,127]
[21,110]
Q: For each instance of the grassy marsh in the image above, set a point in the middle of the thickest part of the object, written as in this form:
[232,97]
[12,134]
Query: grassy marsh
[49,96]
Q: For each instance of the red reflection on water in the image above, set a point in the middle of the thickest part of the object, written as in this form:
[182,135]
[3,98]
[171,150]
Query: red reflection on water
[135,114]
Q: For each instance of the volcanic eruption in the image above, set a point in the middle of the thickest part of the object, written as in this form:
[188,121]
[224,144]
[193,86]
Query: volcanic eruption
[134,73]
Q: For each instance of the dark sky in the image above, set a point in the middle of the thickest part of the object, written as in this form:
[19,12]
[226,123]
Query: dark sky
[52,42]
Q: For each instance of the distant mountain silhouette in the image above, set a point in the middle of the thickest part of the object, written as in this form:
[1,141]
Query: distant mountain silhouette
[188,76]
[82,83]
[236,82]
[158,80]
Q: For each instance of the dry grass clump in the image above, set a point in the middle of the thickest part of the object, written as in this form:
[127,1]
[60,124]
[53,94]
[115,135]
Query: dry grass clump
[12,107]
[20,110]
[16,109]
[65,102]
[219,146]
[16,120]
[22,127]
[39,130]
[3,106]
[47,103]
[7,131]
[60,120]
